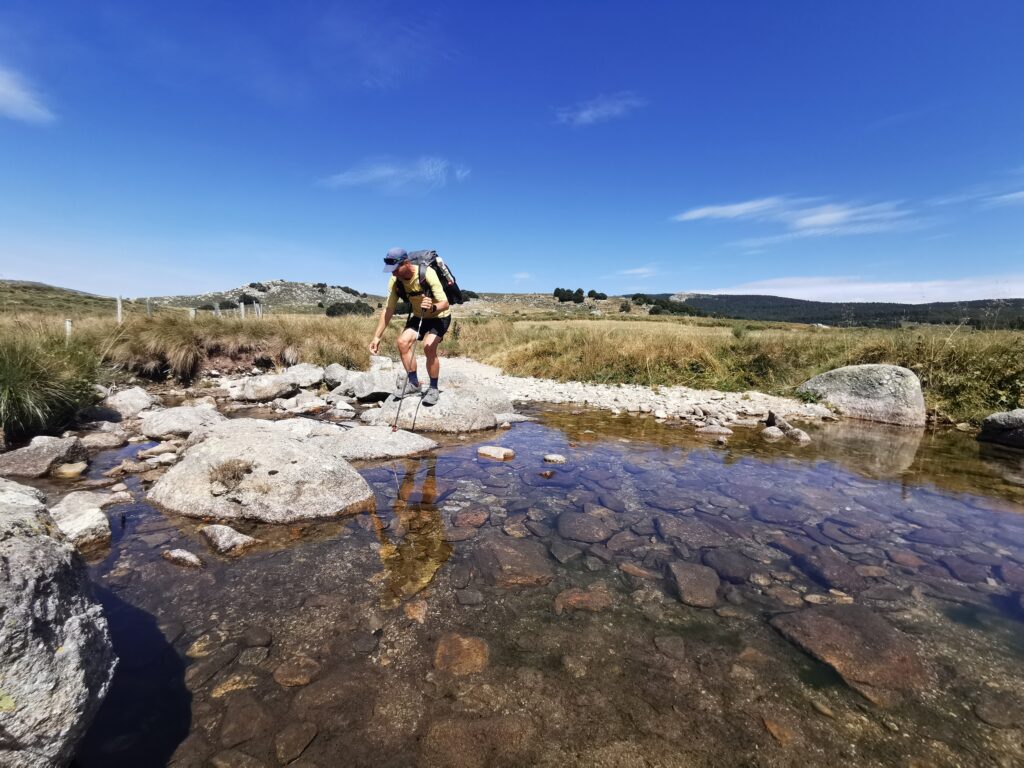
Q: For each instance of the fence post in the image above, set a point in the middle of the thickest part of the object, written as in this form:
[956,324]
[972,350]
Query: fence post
[191,313]
[67,332]
[120,317]
[216,309]
[149,309]
[241,309]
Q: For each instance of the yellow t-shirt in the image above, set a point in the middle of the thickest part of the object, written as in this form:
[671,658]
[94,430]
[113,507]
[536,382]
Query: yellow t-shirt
[412,290]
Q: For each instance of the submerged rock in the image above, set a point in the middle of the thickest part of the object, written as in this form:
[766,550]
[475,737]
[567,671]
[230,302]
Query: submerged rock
[461,655]
[886,393]
[579,526]
[180,421]
[507,562]
[41,456]
[182,557]
[876,660]
[56,651]
[1006,428]
[696,585]
[273,472]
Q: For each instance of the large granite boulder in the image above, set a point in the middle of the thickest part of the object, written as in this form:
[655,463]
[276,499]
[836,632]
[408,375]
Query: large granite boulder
[180,421]
[373,385]
[885,393]
[1006,428]
[275,472]
[458,410]
[335,375]
[305,374]
[258,389]
[129,403]
[872,657]
[41,456]
[57,660]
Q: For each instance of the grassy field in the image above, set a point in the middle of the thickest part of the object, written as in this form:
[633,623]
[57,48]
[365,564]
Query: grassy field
[966,374]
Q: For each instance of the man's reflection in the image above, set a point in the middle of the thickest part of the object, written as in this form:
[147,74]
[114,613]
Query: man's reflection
[419,549]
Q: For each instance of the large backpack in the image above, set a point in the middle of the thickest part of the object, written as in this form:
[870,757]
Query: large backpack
[425,259]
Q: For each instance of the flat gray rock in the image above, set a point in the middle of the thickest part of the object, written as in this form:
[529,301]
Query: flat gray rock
[80,516]
[57,656]
[180,421]
[275,472]
[696,585]
[336,375]
[129,403]
[305,374]
[1006,428]
[40,456]
[373,385]
[257,389]
[885,393]
[458,410]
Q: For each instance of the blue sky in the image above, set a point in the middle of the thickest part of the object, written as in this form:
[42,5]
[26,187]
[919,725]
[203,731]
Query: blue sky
[870,150]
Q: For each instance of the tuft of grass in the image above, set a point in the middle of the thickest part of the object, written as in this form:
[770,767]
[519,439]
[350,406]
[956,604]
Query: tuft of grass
[230,472]
[42,382]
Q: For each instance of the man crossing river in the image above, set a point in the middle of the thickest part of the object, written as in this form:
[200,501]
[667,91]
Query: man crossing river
[428,321]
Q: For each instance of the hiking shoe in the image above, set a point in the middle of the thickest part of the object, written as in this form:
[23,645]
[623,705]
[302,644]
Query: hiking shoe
[431,397]
[405,389]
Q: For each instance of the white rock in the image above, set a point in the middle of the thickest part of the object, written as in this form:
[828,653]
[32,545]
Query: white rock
[180,421]
[496,452]
[182,557]
[661,413]
[305,374]
[226,539]
[554,458]
[772,434]
[130,402]
[264,388]
[335,375]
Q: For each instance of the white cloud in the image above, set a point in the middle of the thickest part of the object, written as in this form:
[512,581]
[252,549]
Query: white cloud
[1011,198]
[809,217]
[600,110]
[826,288]
[642,272]
[420,175]
[522,277]
[19,102]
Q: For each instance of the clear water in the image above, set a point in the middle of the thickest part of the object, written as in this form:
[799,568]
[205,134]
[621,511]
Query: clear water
[644,680]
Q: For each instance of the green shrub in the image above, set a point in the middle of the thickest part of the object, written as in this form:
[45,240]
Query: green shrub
[349,308]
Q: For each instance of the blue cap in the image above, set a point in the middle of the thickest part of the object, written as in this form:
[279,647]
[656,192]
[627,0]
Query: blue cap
[394,257]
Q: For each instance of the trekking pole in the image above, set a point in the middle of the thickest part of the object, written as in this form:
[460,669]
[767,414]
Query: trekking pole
[398,411]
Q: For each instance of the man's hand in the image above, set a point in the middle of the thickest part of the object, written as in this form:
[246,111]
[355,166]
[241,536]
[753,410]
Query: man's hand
[374,346]
[427,305]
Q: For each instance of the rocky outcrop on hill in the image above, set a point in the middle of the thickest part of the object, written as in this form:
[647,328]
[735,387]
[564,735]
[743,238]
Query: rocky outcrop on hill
[41,456]
[56,651]
[885,393]
[1006,428]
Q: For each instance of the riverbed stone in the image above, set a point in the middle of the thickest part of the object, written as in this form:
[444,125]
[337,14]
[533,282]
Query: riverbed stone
[772,434]
[731,565]
[579,526]
[507,562]
[263,388]
[297,671]
[80,517]
[461,655]
[57,656]
[875,659]
[225,539]
[180,421]
[874,392]
[244,718]
[182,557]
[293,739]
[696,585]
[689,531]
[497,452]
[104,439]
[335,375]
[41,456]
[129,403]
[595,598]
[274,472]
[480,742]
[1000,709]
[1005,428]
[305,374]
[457,410]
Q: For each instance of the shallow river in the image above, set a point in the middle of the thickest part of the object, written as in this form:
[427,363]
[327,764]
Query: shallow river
[897,558]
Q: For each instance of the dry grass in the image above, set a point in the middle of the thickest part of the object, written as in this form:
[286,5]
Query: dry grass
[230,472]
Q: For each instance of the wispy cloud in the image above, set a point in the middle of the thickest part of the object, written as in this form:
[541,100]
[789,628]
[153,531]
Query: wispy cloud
[1011,198]
[847,288]
[600,110]
[18,101]
[397,177]
[809,217]
[522,277]
[650,270]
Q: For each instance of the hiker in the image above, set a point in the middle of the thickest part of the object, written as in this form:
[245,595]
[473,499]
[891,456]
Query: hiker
[430,317]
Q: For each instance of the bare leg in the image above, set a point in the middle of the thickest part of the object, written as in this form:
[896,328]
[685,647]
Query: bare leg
[430,344]
[406,342]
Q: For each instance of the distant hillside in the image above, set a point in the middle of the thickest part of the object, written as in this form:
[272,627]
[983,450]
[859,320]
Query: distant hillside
[25,296]
[987,313]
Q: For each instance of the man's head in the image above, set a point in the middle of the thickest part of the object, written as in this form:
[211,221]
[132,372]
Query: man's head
[396,261]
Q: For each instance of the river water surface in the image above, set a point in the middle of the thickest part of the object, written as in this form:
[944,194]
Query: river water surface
[466,623]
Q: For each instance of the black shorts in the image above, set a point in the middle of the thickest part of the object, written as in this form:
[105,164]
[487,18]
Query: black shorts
[435,325]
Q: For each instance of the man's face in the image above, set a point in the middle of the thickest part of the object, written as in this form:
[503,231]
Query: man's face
[403,271]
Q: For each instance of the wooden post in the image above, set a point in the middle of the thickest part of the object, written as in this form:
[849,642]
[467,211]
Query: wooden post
[191,313]
[216,309]
[120,316]
[241,309]
[149,309]
[67,332]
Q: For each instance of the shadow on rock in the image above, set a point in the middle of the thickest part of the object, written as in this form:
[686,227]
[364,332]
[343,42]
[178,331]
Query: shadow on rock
[147,712]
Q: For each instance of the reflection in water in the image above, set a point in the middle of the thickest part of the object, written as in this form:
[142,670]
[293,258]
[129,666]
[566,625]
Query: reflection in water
[419,548]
